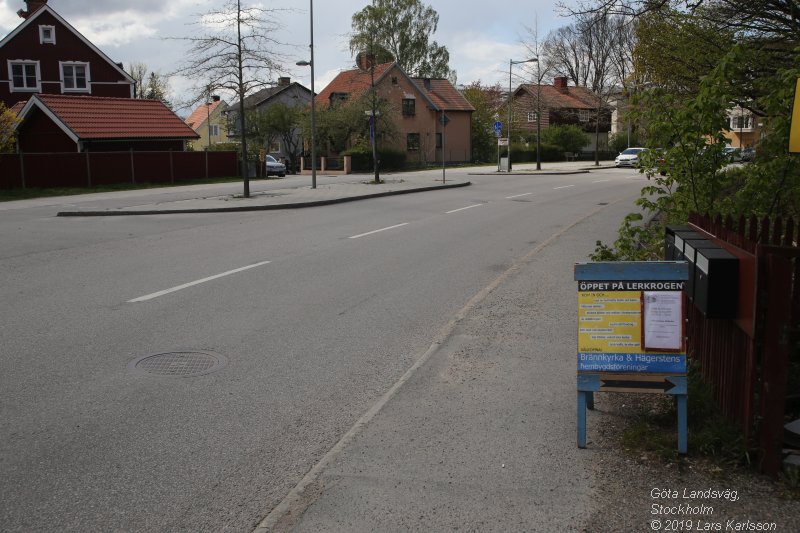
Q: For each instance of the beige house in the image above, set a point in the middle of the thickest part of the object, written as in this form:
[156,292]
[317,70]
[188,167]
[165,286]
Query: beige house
[422,105]
[210,123]
[744,128]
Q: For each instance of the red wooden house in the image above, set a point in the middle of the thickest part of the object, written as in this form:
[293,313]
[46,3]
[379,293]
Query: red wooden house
[45,54]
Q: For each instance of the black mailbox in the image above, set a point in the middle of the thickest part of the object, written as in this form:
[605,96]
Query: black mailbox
[669,241]
[692,247]
[716,283]
[680,239]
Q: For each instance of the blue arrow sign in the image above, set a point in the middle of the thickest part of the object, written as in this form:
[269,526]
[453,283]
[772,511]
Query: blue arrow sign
[498,127]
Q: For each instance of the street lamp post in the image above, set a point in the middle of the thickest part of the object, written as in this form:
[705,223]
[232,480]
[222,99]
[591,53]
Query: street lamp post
[313,106]
[511,63]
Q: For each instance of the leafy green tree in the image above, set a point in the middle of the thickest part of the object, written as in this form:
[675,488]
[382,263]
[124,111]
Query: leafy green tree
[488,103]
[8,121]
[402,31]
[344,124]
[570,138]
[276,122]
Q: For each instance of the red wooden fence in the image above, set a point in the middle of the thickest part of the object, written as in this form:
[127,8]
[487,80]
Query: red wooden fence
[88,169]
[748,360]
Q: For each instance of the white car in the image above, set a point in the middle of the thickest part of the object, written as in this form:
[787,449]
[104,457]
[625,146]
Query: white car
[275,167]
[629,157]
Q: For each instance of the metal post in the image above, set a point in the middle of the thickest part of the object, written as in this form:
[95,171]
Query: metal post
[313,108]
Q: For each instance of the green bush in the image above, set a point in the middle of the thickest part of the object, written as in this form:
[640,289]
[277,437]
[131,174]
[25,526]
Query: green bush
[362,158]
[570,138]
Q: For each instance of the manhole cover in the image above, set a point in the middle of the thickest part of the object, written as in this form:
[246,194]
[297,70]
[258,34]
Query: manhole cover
[182,364]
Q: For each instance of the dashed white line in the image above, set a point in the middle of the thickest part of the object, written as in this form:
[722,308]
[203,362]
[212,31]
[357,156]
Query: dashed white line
[193,283]
[600,181]
[563,187]
[377,231]
[518,195]
[462,208]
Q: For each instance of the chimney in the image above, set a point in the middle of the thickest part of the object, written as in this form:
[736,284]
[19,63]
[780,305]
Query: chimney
[560,83]
[215,98]
[33,5]
[284,82]
[427,83]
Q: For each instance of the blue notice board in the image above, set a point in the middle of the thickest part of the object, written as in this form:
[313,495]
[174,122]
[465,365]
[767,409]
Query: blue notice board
[631,333]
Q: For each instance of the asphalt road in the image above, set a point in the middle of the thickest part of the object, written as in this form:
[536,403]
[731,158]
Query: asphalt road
[320,312]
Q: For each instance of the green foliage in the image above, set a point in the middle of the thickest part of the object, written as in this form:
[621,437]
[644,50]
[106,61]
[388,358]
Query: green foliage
[570,138]
[487,102]
[8,121]
[710,434]
[362,158]
[401,28]
[345,125]
[618,142]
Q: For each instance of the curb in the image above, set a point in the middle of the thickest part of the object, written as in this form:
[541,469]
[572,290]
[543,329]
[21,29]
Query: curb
[269,207]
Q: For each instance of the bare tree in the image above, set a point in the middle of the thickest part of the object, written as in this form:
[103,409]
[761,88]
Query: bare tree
[150,85]
[235,51]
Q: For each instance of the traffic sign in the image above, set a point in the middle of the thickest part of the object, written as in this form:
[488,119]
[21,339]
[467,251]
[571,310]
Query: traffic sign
[498,127]
[502,141]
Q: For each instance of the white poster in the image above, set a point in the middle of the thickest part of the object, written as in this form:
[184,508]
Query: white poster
[663,320]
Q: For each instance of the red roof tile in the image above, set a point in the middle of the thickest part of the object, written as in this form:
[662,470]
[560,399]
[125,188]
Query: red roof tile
[351,82]
[444,95]
[354,82]
[201,114]
[574,98]
[92,117]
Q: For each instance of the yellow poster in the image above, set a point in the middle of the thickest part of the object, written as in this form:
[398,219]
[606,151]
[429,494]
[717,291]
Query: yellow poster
[610,322]
[794,134]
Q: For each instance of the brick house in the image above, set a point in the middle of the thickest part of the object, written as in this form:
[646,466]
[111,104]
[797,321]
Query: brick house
[45,54]
[420,104]
[560,104]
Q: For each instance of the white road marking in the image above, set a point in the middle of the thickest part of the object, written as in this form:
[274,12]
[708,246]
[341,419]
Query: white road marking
[563,187]
[462,208]
[518,195]
[600,181]
[377,231]
[193,283]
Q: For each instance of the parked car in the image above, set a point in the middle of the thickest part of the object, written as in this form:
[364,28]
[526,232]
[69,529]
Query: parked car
[733,154]
[628,157]
[748,154]
[275,167]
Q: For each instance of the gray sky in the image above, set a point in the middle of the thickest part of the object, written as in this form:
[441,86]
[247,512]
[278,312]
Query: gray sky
[481,36]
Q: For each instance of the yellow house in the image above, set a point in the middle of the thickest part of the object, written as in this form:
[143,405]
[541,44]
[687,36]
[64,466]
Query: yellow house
[209,122]
[744,128]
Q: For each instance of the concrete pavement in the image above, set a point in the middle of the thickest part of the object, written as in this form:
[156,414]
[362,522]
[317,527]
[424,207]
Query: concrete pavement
[298,193]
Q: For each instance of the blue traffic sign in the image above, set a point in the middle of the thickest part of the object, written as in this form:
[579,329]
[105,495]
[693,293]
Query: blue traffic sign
[498,127]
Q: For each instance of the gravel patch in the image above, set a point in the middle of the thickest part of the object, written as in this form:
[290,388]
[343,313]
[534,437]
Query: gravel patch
[639,491]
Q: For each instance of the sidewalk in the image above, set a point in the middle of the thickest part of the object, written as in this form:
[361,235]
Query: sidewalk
[355,187]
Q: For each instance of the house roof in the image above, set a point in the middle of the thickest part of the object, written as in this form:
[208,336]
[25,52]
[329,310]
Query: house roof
[573,98]
[259,97]
[201,114]
[443,94]
[440,93]
[32,17]
[100,118]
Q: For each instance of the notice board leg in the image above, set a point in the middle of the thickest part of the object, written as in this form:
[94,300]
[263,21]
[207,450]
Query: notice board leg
[582,419]
[590,401]
[683,432]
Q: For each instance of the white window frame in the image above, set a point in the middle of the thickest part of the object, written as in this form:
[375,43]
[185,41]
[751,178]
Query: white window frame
[214,130]
[25,89]
[531,116]
[63,65]
[43,39]
[584,115]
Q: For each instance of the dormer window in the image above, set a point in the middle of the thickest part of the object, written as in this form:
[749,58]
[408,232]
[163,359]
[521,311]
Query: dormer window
[47,34]
[75,77]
